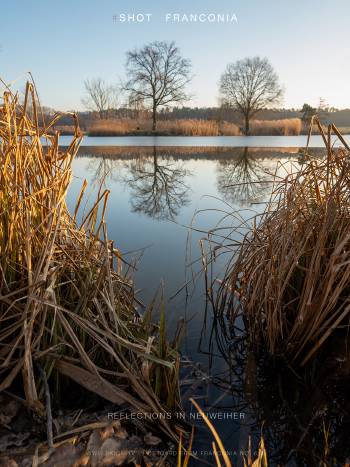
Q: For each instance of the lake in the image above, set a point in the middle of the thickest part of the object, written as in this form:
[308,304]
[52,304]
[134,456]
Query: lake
[163,200]
[160,198]
[205,141]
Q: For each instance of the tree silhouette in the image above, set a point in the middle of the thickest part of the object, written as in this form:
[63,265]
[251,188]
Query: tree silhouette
[157,75]
[157,190]
[104,169]
[242,179]
[100,96]
[307,113]
[250,85]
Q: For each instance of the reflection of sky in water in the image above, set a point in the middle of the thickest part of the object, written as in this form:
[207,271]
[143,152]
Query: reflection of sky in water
[205,141]
[155,195]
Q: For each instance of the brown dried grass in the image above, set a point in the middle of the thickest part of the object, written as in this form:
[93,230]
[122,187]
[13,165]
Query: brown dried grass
[284,127]
[117,127]
[184,127]
[65,303]
[193,127]
[290,279]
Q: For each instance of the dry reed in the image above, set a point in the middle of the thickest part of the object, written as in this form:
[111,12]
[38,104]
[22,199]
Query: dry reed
[284,127]
[184,127]
[117,127]
[229,129]
[65,304]
[290,278]
[219,450]
[192,127]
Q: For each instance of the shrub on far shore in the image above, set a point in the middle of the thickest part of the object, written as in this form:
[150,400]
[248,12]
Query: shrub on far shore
[185,127]
[229,129]
[188,127]
[118,127]
[283,127]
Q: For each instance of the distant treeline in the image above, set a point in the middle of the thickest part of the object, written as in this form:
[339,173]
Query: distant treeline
[224,114]
[340,118]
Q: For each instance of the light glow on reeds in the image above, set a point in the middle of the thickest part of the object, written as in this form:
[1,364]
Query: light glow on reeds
[64,301]
[290,278]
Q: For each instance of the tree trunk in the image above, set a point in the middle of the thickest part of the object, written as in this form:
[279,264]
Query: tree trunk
[154,116]
[155,161]
[246,130]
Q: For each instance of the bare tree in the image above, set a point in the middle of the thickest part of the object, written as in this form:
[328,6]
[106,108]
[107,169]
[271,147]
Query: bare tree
[241,178]
[157,75]
[250,85]
[158,186]
[101,97]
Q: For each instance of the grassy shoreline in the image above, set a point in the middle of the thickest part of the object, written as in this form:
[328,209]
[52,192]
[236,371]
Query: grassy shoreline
[68,308]
[289,278]
[141,133]
[69,315]
[186,127]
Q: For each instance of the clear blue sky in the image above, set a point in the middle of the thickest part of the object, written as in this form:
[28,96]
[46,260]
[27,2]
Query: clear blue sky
[65,42]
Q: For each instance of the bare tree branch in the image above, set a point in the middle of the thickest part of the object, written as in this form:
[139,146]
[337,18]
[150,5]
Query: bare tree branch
[158,190]
[250,85]
[157,75]
[101,97]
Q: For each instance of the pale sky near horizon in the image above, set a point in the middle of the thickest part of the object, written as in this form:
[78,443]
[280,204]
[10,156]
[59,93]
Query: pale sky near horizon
[65,42]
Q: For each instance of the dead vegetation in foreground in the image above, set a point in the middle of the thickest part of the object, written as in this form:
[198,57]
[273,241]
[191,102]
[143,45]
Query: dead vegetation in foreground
[290,277]
[67,310]
[69,313]
[89,440]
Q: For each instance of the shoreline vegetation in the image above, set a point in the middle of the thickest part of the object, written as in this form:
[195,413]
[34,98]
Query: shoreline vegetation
[290,276]
[156,85]
[286,289]
[189,127]
[68,312]
[185,127]
[70,320]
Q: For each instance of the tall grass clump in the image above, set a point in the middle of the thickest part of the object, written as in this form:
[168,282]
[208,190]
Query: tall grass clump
[290,278]
[117,127]
[283,127]
[229,129]
[66,307]
[198,127]
[184,127]
[188,127]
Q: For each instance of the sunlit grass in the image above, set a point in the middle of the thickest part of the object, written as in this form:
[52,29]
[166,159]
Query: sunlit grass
[290,278]
[65,302]
[283,127]
[185,127]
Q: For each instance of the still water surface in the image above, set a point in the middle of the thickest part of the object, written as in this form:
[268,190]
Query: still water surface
[162,201]
[161,196]
[205,141]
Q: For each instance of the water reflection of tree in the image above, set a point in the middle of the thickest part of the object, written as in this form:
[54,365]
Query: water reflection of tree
[104,169]
[157,189]
[242,179]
